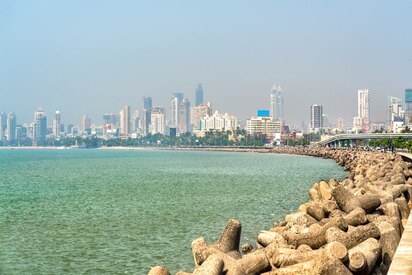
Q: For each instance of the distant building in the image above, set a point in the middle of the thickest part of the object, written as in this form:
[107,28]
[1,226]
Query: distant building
[158,123]
[408,105]
[86,124]
[56,124]
[361,122]
[218,122]
[3,125]
[40,127]
[276,103]
[184,116]
[199,94]
[125,122]
[111,119]
[395,114]
[135,123]
[147,114]
[262,126]
[341,125]
[199,112]
[316,118]
[176,102]
[11,127]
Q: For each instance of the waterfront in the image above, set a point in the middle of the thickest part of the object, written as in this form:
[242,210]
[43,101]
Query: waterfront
[101,211]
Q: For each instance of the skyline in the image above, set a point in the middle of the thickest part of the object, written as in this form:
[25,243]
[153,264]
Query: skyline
[97,57]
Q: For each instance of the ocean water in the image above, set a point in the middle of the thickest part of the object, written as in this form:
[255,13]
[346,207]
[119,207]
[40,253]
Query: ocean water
[123,211]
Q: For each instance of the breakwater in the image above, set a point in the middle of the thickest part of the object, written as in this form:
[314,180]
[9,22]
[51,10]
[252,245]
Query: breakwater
[348,227]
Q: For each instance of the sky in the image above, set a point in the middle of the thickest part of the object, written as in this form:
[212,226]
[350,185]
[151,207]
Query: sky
[92,57]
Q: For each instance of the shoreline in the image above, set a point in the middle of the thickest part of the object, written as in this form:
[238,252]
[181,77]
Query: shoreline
[348,226]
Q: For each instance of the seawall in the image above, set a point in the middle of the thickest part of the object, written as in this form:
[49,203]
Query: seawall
[351,226]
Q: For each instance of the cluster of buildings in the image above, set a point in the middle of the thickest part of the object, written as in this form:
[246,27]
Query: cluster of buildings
[398,116]
[200,118]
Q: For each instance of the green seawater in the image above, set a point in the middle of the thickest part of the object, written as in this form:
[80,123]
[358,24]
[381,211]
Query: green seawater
[123,211]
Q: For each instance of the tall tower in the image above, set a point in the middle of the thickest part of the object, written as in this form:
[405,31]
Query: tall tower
[408,103]
[40,127]
[11,127]
[125,121]
[56,124]
[158,121]
[199,94]
[184,116]
[276,103]
[3,125]
[363,108]
[316,117]
[86,124]
[147,113]
[176,102]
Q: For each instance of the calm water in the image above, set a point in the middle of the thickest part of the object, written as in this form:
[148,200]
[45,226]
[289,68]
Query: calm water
[120,212]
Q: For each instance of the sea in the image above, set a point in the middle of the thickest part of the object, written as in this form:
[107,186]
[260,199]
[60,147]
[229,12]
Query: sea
[93,211]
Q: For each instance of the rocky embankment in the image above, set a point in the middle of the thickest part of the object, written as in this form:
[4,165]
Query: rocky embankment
[348,227]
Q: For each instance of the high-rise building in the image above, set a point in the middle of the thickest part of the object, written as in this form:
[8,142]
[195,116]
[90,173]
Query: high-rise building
[3,125]
[362,121]
[276,103]
[176,102]
[125,122]
[11,127]
[56,124]
[408,105]
[135,123]
[199,112]
[262,125]
[199,94]
[147,109]
[40,127]
[218,122]
[158,123]
[396,114]
[316,117]
[341,125]
[111,120]
[86,124]
[184,116]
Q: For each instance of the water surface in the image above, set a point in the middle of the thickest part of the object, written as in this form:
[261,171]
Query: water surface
[122,211]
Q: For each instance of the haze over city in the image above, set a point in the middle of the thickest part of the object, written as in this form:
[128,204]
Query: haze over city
[97,56]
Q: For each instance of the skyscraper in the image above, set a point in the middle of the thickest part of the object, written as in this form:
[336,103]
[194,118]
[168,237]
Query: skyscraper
[184,123]
[86,124]
[396,114]
[3,125]
[11,127]
[147,109]
[125,122]
[40,127]
[276,103]
[408,105]
[158,123]
[56,124]
[176,102]
[199,112]
[199,94]
[363,108]
[316,117]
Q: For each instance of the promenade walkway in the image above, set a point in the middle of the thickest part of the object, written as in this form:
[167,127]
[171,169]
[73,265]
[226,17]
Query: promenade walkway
[402,262]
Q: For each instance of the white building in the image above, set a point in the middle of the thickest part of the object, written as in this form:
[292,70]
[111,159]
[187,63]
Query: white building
[316,117]
[396,114]
[56,124]
[158,121]
[258,126]
[125,122]
[361,122]
[276,103]
[198,113]
[218,122]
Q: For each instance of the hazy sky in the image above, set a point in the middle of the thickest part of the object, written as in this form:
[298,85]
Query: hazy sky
[97,56]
